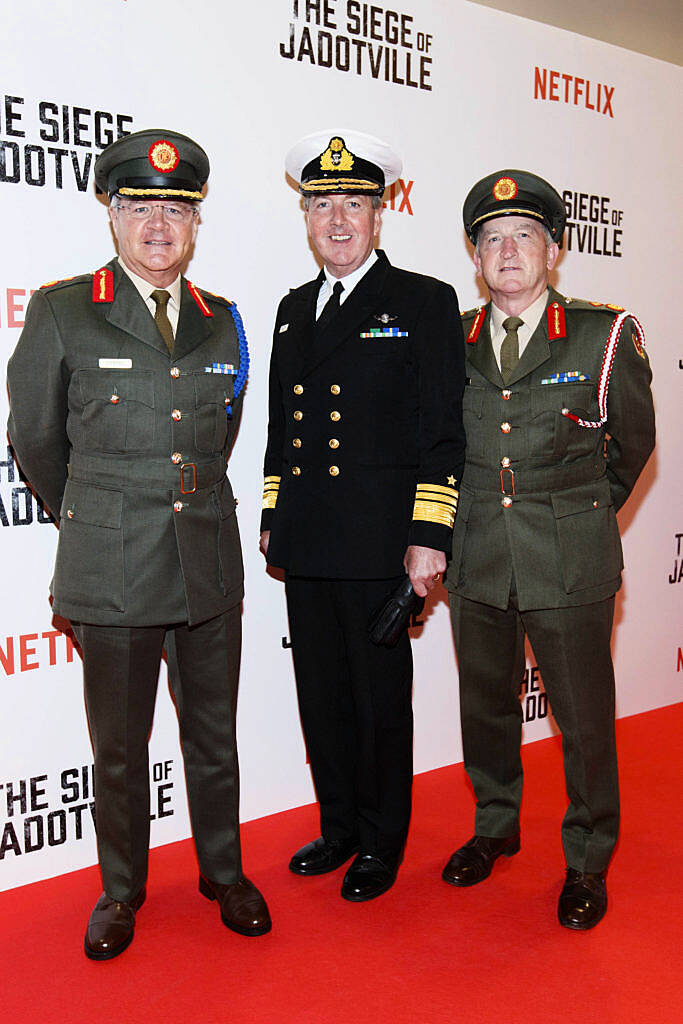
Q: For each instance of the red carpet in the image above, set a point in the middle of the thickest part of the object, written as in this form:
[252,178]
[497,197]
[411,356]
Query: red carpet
[424,953]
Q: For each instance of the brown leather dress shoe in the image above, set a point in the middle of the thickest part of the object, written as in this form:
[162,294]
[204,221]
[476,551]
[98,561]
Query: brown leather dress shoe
[322,855]
[474,861]
[583,900]
[111,927]
[243,908]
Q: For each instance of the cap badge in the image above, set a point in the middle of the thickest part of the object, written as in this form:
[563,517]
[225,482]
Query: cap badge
[505,188]
[163,156]
[336,157]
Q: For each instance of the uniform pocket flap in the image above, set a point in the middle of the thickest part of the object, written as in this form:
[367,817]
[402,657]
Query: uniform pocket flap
[116,386]
[97,506]
[585,498]
[213,388]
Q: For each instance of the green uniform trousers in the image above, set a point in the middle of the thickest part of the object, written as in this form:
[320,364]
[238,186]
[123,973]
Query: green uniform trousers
[572,649]
[121,667]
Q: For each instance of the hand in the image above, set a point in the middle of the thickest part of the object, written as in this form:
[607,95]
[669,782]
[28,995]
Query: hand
[264,542]
[424,566]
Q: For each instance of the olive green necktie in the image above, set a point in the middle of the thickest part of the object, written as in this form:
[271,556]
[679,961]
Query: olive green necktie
[509,350]
[161,297]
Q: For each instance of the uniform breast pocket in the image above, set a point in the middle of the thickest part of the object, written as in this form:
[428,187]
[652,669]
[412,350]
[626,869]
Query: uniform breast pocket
[213,395]
[554,433]
[117,409]
[89,569]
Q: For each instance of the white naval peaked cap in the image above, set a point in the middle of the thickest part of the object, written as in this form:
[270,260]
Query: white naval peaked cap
[342,160]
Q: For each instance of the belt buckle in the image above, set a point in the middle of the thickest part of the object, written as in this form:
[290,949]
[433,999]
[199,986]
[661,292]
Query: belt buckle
[502,481]
[192,466]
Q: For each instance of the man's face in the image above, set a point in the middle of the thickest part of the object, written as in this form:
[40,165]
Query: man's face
[155,247]
[343,229]
[514,258]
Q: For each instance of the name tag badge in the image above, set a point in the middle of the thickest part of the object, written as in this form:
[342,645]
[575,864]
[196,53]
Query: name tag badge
[116,364]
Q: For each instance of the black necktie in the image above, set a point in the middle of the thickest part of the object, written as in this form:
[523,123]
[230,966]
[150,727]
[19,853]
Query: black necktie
[161,297]
[509,350]
[330,308]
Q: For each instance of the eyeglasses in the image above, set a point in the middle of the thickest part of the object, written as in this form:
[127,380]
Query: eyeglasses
[179,214]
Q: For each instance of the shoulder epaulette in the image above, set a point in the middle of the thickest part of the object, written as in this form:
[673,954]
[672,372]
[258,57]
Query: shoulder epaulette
[587,304]
[64,282]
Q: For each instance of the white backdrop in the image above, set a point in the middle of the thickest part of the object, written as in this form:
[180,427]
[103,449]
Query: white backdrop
[460,90]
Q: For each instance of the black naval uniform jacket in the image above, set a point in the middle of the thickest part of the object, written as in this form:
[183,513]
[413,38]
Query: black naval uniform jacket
[365,437]
[127,446]
[540,491]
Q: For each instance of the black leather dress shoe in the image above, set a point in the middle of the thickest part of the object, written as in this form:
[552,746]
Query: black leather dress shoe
[111,927]
[322,855]
[243,908]
[473,862]
[583,900]
[370,876]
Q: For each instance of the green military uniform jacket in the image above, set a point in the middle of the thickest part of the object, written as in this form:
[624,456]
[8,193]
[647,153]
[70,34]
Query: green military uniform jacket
[540,491]
[127,446]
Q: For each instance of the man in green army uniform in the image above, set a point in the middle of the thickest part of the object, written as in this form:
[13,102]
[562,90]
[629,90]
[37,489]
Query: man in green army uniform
[559,421]
[125,392]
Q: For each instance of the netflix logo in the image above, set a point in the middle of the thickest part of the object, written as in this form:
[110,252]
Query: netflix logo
[397,197]
[558,87]
[27,651]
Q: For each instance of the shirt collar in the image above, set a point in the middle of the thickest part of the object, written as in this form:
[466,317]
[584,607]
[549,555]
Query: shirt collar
[352,279]
[531,315]
[145,288]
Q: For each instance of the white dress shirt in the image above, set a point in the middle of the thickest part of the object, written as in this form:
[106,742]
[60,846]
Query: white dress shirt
[145,289]
[531,317]
[349,282]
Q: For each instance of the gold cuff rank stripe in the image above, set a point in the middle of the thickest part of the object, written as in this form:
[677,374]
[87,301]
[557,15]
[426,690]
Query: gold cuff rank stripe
[271,488]
[435,503]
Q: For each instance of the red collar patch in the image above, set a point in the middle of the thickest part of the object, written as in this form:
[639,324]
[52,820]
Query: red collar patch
[557,324]
[103,285]
[194,292]
[476,327]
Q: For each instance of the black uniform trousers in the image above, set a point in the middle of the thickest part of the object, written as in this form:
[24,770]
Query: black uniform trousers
[572,649]
[356,710]
[121,667]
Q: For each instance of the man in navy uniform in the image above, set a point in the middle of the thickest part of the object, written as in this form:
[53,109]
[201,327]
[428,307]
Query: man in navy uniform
[125,394]
[365,450]
[560,423]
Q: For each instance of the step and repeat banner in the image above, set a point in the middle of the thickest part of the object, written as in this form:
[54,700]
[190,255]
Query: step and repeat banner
[460,91]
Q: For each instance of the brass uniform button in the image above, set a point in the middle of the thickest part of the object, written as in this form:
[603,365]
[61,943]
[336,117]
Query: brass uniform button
[505,462]
[596,504]
[176,415]
[334,470]
[298,415]
[506,502]
[296,471]
[177,506]
[565,411]
[335,416]
[114,399]
[506,428]
[298,389]
[176,458]
[70,513]
[333,442]
[335,389]
[506,395]
[175,372]
[296,442]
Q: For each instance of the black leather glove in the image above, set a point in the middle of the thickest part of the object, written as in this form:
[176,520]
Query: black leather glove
[386,626]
